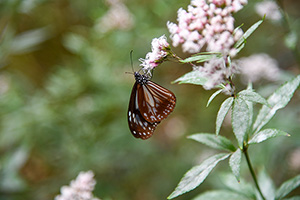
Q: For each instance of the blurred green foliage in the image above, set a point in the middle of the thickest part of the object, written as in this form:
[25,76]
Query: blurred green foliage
[64,98]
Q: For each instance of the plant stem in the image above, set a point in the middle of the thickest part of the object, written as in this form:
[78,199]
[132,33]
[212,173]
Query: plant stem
[252,172]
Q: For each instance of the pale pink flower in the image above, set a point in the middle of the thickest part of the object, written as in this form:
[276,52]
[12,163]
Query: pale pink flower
[212,21]
[294,159]
[117,17]
[257,67]
[80,188]
[270,9]
[160,50]
[216,73]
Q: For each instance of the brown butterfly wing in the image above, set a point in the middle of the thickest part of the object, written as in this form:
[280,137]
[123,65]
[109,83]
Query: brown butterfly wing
[155,102]
[139,127]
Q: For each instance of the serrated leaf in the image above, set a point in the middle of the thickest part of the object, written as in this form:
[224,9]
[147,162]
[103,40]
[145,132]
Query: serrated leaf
[193,77]
[201,57]
[266,134]
[250,95]
[213,96]
[287,187]
[220,194]
[277,100]
[226,105]
[235,163]
[195,176]
[213,141]
[240,119]
[250,106]
[248,33]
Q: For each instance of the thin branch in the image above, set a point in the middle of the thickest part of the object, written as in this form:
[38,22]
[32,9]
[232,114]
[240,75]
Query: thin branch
[245,151]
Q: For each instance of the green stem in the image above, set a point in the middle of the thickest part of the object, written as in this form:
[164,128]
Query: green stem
[252,172]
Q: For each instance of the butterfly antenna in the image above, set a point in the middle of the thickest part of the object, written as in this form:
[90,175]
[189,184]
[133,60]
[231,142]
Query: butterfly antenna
[131,60]
[131,63]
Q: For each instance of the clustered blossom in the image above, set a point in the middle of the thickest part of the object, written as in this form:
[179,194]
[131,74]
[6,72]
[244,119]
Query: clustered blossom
[160,50]
[216,72]
[117,17]
[269,9]
[207,23]
[81,188]
[257,67]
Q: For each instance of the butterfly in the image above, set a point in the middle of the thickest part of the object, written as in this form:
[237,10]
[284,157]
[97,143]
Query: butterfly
[149,104]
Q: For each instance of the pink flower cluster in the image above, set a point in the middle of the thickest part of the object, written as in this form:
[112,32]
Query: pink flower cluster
[81,188]
[269,9]
[160,50]
[207,23]
[258,67]
[216,72]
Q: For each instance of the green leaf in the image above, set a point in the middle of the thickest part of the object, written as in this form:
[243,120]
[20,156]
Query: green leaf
[240,48]
[235,163]
[250,95]
[220,194]
[243,187]
[266,134]
[213,141]
[29,40]
[248,33]
[202,57]
[213,96]
[291,39]
[250,106]
[226,105]
[287,187]
[193,77]
[195,176]
[277,100]
[240,119]
[266,184]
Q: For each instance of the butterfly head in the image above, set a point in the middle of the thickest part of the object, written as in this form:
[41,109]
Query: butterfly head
[140,78]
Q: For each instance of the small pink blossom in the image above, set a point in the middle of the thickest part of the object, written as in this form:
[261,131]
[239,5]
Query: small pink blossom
[117,17]
[160,50]
[211,19]
[270,9]
[217,73]
[80,188]
[258,67]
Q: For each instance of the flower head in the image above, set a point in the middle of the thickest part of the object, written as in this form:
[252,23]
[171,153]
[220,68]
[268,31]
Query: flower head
[207,24]
[160,50]
[268,8]
[117,17]
[80,188]
[257,67]
[217,73]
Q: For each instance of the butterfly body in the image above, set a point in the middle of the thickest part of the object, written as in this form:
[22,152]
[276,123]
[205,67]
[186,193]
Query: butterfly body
[149,104]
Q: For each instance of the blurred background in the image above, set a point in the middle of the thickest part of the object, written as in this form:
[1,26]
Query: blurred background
[64,96]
